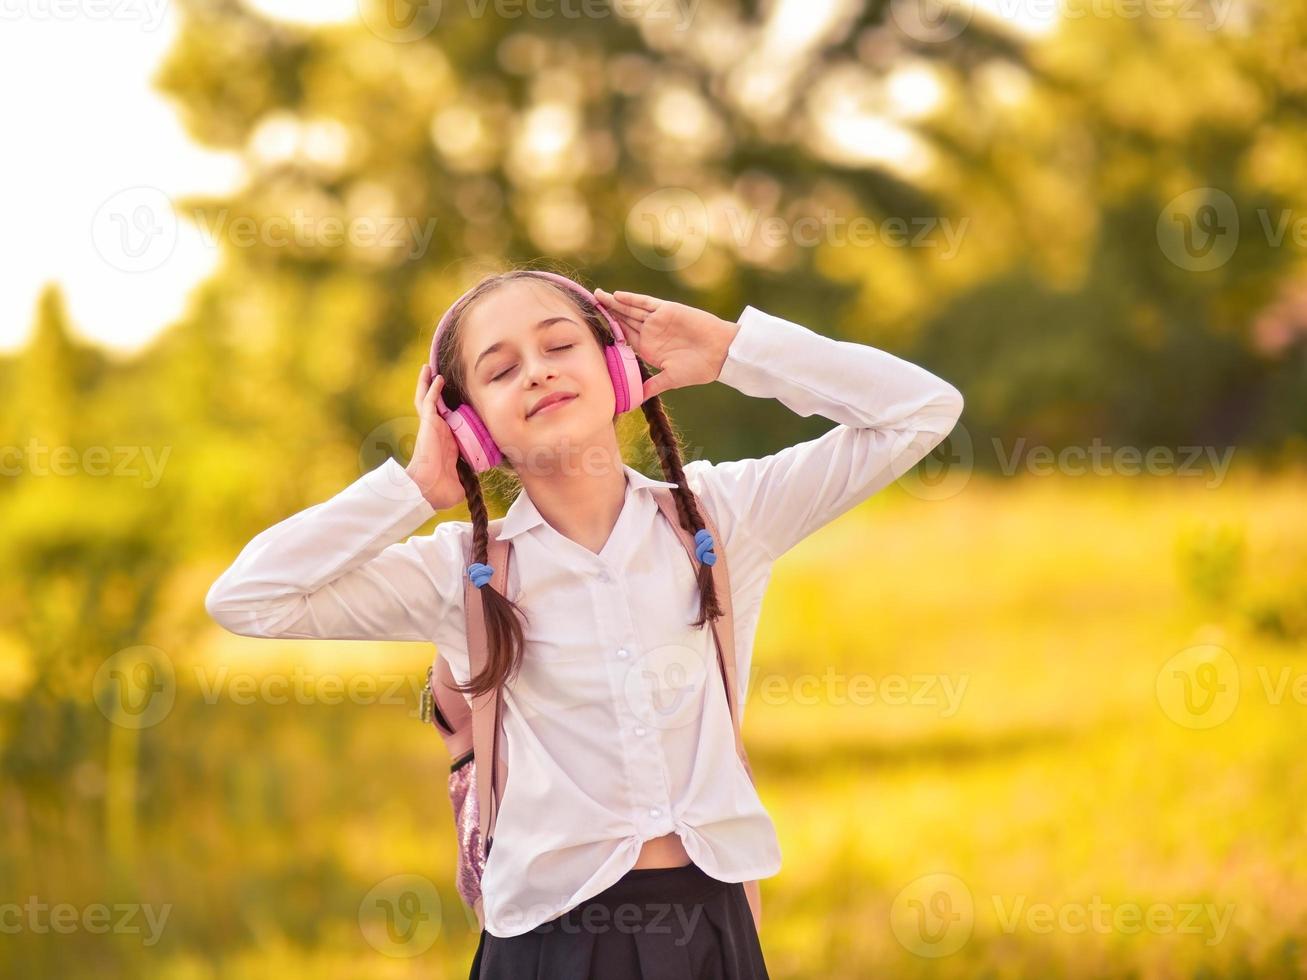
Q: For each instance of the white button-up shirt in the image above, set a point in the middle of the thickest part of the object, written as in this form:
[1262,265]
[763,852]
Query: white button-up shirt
[616,728]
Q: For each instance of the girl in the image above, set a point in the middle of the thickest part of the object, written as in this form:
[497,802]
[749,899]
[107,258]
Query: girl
[629,823]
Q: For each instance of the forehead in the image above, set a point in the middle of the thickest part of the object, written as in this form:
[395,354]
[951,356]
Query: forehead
[511,311]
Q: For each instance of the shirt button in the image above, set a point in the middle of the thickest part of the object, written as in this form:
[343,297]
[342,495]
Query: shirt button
[640,730]
[622,654]
[605,578]
[654,811]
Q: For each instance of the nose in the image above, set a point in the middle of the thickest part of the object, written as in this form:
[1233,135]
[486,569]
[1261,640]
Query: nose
[537,370]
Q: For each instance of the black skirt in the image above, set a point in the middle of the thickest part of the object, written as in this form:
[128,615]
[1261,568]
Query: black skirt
[651,924]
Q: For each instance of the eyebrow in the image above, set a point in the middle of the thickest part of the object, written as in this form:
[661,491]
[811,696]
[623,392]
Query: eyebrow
[498,344]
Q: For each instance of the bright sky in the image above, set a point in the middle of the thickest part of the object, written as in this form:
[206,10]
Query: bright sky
[83,128]
[95,156]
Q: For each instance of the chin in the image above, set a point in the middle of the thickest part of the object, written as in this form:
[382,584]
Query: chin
[563,435]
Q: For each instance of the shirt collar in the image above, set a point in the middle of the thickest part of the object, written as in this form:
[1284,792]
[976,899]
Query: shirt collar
[522,514]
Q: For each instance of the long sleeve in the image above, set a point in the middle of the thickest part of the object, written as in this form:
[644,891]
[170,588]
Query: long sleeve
[890,414]
[339,569]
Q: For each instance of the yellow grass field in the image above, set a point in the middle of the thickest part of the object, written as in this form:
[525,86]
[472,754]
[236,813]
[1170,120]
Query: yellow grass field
[1031,730]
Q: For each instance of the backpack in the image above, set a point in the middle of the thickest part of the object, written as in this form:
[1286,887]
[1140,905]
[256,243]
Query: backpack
[471,730]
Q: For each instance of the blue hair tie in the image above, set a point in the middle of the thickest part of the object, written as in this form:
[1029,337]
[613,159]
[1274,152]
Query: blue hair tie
[703,544]
[479,573]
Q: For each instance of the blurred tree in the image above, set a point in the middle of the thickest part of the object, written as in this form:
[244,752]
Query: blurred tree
[647,151]
[1013,180]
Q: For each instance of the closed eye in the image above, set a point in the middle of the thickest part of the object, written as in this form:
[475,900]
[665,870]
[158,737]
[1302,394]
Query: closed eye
[510,367]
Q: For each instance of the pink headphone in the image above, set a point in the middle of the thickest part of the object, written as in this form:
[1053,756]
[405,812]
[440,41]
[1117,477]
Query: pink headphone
[474,442]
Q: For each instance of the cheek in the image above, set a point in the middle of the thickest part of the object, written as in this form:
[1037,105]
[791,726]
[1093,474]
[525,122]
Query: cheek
[597,378]
[503,407]
[488,402]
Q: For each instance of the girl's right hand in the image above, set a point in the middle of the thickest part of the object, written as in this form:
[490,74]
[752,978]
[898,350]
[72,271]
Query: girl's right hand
[435,454]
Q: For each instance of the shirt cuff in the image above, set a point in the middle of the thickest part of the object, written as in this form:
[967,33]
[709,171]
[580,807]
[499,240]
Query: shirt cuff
[757,347]
[391,482]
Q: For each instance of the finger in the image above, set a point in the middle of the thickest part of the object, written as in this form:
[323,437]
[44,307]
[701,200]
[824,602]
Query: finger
[612,305]
[422,386]
[631,333]
[628,325]
[656,385]
[637,300]
[612,308]
[618,306]
[429,403]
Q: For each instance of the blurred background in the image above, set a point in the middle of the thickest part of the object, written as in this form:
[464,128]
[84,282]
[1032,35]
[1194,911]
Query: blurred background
[1048,722]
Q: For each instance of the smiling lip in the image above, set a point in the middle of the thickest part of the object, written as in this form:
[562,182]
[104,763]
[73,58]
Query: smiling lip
[549,401]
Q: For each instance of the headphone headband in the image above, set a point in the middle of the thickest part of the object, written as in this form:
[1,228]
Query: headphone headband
[575,287]
[476,445]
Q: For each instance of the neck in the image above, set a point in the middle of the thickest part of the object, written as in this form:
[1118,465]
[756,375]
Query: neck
[580,500]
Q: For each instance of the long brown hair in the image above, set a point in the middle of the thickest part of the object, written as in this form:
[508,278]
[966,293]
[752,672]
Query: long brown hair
[504,634]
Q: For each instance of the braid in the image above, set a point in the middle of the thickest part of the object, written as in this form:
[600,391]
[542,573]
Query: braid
[505,639]
[667,444]
[476,508]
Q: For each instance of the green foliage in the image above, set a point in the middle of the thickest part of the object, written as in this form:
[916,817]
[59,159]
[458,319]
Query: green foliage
[1211,561]
[1063,315]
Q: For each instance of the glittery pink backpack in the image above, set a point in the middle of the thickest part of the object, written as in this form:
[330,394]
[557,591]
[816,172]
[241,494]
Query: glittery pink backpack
[471,730]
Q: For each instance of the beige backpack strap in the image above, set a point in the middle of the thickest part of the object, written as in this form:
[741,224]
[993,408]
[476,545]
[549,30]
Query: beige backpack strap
[487,708]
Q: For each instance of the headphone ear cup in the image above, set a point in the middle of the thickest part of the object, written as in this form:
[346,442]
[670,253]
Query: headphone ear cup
[624,369]
[474,442]
[617,375]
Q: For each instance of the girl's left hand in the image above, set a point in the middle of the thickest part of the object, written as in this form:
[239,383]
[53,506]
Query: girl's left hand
[688,346]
